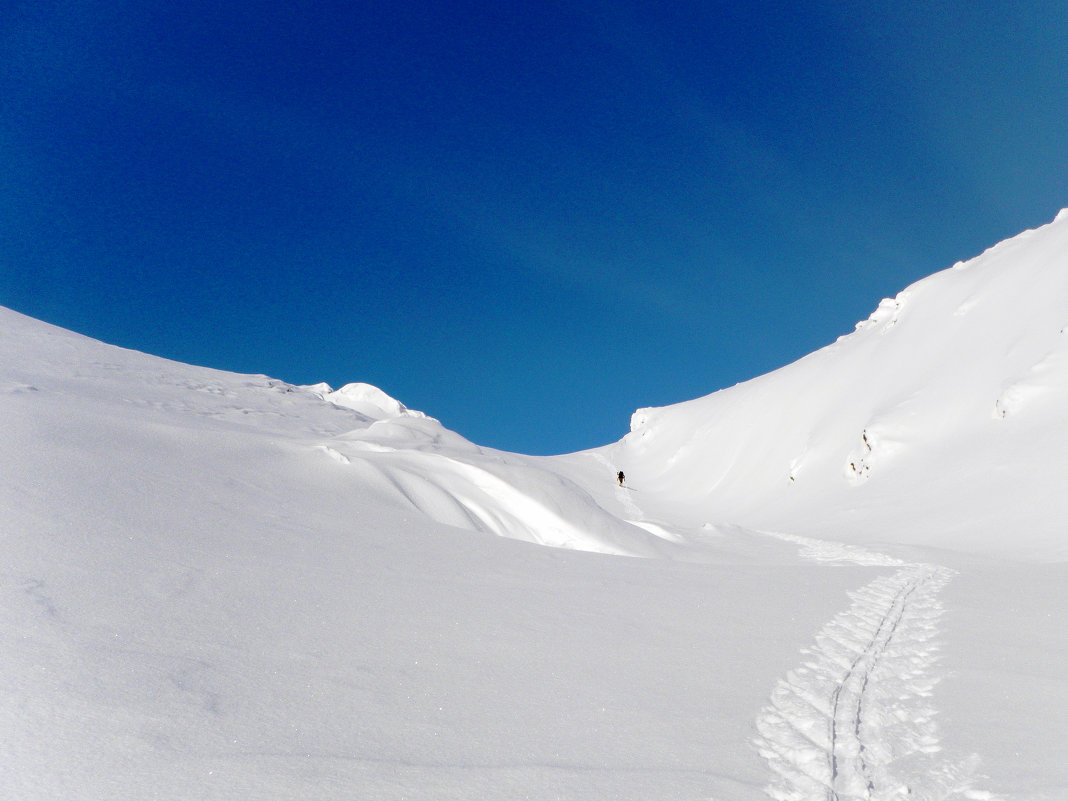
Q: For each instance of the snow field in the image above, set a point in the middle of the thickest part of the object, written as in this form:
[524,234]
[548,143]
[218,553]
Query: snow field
[226,587]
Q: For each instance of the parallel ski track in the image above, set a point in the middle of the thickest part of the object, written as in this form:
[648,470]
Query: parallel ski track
[854,721]
[851,724]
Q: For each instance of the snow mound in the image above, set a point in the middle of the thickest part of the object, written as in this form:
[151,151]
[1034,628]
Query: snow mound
[424,467]
[368,400]
[886,314]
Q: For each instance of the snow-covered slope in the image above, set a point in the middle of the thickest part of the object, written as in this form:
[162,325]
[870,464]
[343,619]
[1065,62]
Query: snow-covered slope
[218,586]
[940,421]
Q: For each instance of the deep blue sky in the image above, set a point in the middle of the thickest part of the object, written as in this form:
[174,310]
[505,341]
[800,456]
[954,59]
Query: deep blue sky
[524,218]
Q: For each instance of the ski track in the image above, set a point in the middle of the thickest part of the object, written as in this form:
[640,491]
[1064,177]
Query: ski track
[855,721]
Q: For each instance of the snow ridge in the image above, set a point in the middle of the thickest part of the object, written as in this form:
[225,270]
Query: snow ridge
[855,721]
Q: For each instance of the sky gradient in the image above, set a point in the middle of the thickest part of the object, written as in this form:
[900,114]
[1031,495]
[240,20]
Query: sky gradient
[525,219]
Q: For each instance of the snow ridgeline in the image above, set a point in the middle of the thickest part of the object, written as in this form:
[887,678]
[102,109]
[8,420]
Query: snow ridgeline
[921,426]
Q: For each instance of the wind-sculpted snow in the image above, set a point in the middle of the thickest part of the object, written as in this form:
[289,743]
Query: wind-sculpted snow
[366,399]
[452,481]
[886,314]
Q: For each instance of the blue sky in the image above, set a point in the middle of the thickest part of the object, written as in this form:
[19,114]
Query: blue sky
[526,219]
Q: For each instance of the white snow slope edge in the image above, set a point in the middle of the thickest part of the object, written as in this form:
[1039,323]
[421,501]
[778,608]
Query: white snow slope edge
[939,421]
[218,586]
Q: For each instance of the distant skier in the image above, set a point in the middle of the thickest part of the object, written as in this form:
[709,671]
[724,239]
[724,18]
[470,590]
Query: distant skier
[620,478]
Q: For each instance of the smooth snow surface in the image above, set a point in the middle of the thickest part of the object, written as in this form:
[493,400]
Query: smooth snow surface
[851,578]
[940,421]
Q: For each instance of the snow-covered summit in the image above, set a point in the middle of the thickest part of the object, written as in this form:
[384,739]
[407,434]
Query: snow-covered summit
[368,400]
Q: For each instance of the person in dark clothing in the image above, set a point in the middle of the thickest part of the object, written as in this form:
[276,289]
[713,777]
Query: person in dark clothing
[620,478]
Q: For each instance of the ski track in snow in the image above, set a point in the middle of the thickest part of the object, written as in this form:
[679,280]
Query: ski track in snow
[855,720]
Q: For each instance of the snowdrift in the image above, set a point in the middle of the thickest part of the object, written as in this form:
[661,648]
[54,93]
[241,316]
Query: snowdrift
[416,462]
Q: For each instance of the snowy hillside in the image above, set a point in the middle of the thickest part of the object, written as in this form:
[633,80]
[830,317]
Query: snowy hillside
[219,586]
[939,421]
